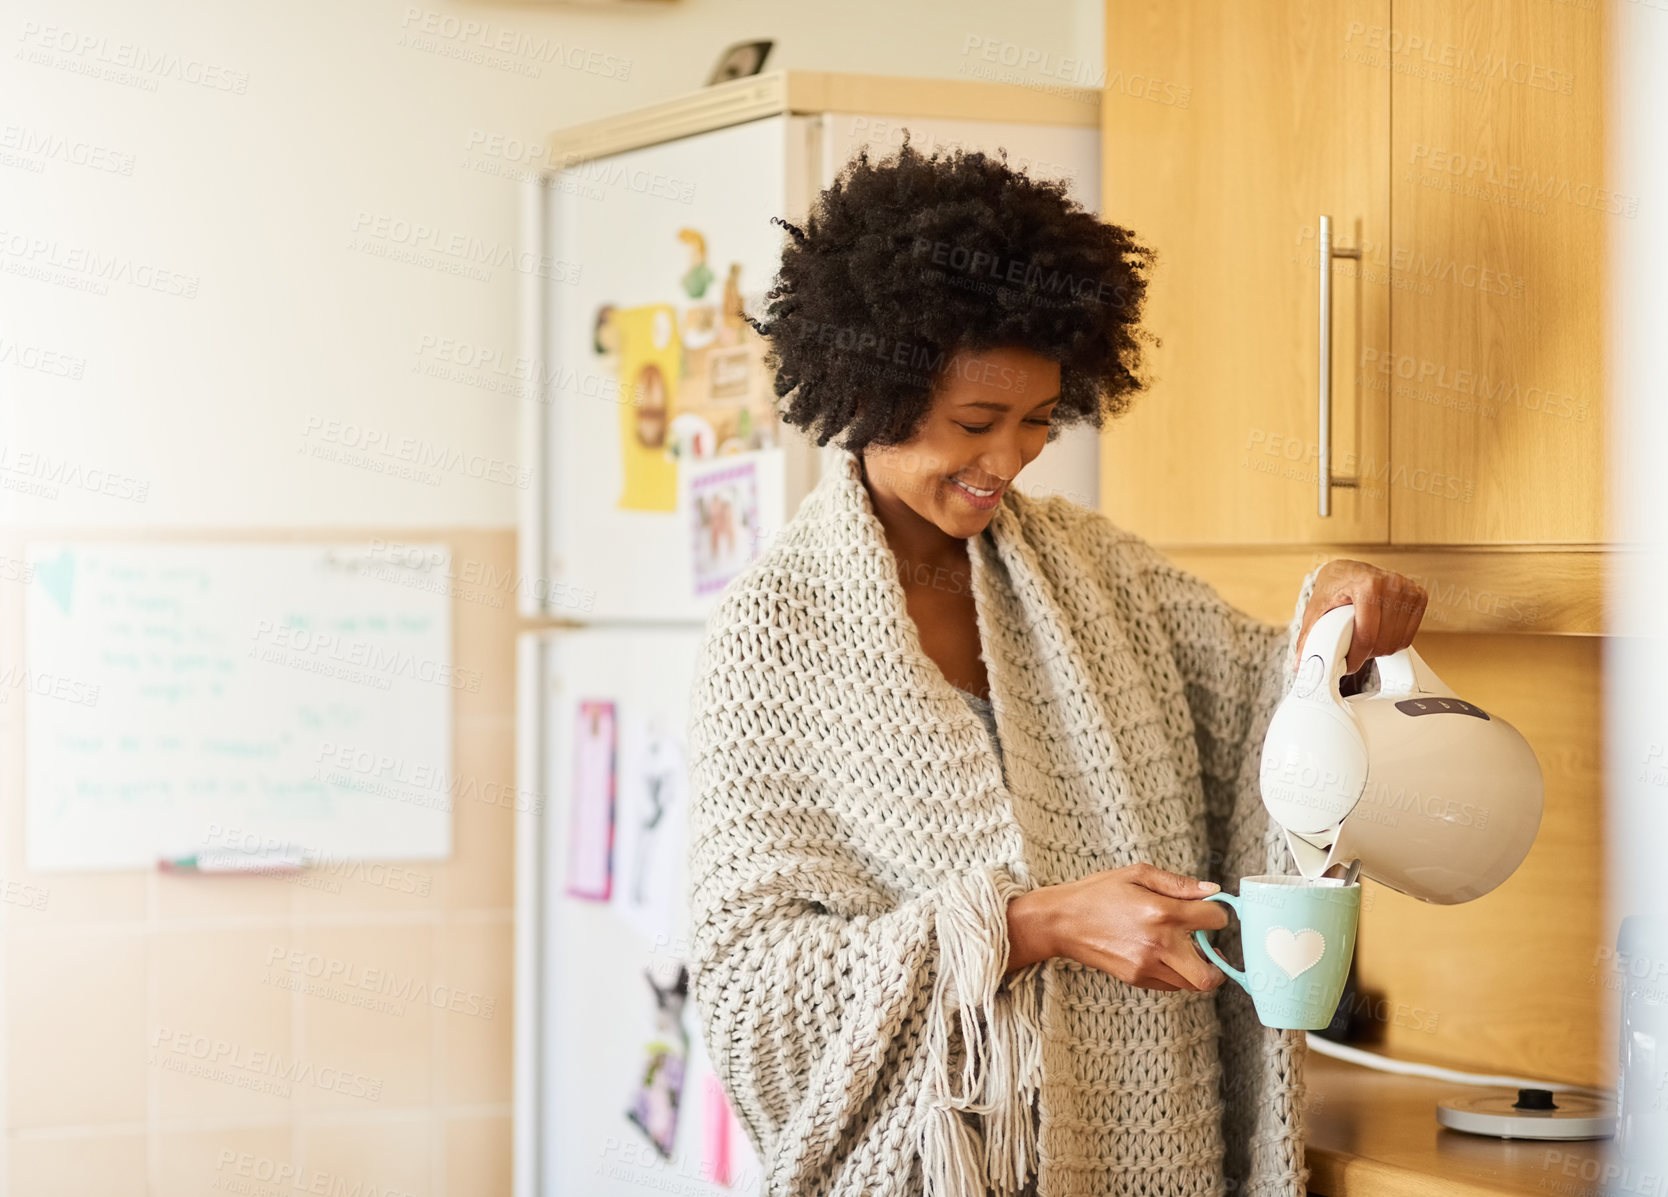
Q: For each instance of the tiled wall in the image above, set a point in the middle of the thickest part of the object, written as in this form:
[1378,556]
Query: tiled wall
[179,1034]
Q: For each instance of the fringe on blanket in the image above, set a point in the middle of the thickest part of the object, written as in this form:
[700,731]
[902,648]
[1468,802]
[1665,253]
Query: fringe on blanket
[1001,1029]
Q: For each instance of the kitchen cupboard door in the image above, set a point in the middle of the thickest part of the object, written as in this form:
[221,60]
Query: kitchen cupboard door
[1499,214]
[1228,131]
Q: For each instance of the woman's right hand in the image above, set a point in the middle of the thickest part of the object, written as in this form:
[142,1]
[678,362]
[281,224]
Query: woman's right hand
[1137,923]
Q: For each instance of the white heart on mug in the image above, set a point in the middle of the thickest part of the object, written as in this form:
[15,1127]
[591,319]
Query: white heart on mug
[1294,953]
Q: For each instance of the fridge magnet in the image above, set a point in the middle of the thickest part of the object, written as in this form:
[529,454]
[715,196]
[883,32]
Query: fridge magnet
[726,382]
[724,517]
[604,340]
[731,377]
[715,1138]
[698,277]
[652,800]
[692,438]
[741,441]
[649,364]
[733,307]
[654,1107]
[591,825]
[699,327]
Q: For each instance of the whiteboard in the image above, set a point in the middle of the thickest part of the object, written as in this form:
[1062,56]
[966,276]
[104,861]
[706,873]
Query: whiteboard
[260,698]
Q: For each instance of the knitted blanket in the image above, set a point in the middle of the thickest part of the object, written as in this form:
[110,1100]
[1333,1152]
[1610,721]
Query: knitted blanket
[854,843]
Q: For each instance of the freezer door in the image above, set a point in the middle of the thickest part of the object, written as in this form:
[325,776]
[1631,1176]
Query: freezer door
[639,510]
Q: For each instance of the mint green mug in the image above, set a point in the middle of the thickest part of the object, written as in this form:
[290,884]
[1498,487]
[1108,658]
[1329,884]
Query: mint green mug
[1298,934]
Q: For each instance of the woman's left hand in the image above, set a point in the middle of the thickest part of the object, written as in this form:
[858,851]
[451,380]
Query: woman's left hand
[1388,608]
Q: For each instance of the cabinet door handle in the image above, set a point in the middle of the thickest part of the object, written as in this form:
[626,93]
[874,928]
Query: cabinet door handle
[1327,253]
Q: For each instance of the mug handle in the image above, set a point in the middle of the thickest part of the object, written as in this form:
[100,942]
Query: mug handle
[1210,952]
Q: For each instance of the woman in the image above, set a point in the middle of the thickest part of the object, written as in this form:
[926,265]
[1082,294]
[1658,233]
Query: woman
[934,954]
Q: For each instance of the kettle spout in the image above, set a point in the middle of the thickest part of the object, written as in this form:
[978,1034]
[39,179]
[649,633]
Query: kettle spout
[1312,859]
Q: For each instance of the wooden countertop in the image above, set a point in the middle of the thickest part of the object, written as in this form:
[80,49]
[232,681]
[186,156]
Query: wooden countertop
[1375,1134]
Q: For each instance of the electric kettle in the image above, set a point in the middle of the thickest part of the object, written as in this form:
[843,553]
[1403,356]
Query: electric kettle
[1434,796]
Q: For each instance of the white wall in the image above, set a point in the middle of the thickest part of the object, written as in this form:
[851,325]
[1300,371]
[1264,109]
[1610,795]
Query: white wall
[222,196]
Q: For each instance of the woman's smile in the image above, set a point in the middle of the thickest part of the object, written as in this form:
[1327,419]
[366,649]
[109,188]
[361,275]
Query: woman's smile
[984,499]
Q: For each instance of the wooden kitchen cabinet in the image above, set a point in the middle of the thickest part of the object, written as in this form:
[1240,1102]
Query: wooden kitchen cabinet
[1279,126]
[1498,212]
[1456,144]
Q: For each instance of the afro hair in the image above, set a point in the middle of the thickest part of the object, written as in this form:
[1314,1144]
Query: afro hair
[906,260]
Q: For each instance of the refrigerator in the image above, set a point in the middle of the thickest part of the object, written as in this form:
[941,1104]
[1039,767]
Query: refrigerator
[660,471]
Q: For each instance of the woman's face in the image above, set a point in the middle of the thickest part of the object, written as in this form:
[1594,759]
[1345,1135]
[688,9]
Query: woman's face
[989,418]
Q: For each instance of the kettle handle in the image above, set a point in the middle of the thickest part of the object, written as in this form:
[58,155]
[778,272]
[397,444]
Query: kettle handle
[1396,678]
[1405,673]
[1322,659]
[1399,673]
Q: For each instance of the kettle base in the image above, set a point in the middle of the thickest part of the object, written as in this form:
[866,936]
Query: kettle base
[1543,1115]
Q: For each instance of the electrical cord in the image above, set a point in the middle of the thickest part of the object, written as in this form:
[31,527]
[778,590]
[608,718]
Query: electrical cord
[1355,1055]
